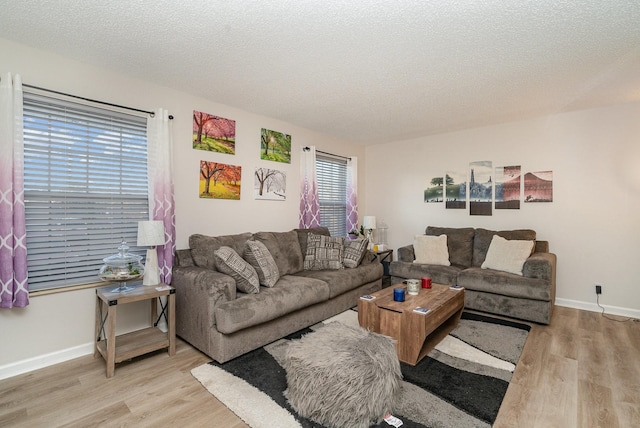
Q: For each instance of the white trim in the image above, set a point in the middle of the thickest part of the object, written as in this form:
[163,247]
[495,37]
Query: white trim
[35,363]
[593,307]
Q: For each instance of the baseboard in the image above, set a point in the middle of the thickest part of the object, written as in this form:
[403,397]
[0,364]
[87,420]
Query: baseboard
[593,307]
[46,360]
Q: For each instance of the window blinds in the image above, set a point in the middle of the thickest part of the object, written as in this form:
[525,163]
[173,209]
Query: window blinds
[85,188]
[332,194]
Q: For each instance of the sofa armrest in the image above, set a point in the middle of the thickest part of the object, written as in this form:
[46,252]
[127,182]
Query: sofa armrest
[406,254]
[198,291]
[369,257]
[540,266]
[184,258]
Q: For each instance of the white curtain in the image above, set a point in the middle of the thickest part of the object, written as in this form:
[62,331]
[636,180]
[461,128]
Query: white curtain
[14,289]
[352,194]
[309,205]
[161,192]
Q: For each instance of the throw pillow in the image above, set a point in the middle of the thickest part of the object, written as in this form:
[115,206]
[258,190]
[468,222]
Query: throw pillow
[324,252]
[259,257]
[431,250]
[508,256]
[354,252]
[229,262]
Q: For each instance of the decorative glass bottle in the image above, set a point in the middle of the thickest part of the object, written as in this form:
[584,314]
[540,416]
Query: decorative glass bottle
[122,267]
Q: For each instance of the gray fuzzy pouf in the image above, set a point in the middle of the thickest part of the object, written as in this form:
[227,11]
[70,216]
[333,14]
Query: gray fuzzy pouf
[342,376]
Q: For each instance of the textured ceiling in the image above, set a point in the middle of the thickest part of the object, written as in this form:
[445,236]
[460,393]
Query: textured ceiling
[369,71]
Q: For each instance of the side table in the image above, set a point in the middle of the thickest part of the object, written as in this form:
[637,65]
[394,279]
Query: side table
[115,349]
[385,257]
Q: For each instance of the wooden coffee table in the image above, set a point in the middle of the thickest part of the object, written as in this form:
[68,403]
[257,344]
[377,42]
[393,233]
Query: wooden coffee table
[416,334]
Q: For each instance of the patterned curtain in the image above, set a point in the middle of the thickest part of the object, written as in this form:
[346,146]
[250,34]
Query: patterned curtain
[161,200]
[309,206]
[14,289]
[352,194]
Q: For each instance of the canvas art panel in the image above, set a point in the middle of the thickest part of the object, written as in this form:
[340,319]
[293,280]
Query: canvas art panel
[538,186]
[456,189]
[275,146]
[214,133]
[433,191]
[270,184]
[219,180]
[480,188]
[507,187]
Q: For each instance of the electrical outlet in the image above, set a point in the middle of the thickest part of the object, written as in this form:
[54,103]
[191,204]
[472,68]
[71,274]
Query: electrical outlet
[598,289]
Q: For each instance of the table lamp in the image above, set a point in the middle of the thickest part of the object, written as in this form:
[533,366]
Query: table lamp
[150,234]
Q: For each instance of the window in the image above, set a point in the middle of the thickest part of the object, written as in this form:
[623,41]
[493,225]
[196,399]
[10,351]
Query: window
[332,193]
[85,182]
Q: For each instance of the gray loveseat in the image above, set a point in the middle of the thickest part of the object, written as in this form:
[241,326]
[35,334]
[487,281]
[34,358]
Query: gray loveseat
[528,297]
[223,322]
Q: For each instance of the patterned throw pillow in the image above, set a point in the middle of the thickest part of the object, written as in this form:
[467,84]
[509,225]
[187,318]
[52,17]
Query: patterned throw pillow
[229,262]
[258,256]
[354,252]
[324,252]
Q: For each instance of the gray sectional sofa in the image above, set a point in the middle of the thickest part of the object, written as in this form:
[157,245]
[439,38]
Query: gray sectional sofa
[216,317]
[529,296]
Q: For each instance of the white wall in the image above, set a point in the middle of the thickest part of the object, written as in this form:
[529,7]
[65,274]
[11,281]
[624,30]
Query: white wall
[593,223]
[60,326]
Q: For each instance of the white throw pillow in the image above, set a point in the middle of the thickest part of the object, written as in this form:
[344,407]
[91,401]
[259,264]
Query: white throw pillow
[507,255]
[431,250]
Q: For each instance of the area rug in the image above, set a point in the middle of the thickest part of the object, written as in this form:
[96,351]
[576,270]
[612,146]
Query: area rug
[461,383]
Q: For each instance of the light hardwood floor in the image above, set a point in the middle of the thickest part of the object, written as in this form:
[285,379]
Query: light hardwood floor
[582,370]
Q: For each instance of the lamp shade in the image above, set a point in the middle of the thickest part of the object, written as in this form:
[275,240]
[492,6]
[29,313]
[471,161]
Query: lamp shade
[369,222]
[150,233]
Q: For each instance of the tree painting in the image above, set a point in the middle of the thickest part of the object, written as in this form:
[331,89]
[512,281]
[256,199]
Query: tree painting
[270,184]
[434,192]
[507,187]
[275,146]
[213,133]
[456,190]
[219,180]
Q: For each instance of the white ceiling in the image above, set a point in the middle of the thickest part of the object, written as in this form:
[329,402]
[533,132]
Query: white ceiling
[369,71]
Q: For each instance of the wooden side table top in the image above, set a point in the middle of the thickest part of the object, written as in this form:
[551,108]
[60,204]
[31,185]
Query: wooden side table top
[416,334]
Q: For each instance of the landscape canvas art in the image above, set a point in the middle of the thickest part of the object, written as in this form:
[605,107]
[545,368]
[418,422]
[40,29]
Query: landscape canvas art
[275,146]
[270,184]
[507,183]
[538,186]
[456,190]
[480,188]
[214,133]
[219,180]
[433,192]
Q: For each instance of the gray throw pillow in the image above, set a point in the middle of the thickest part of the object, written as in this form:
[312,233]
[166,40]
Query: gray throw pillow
[354,252]
[230,263]
[258,256]
[324,252]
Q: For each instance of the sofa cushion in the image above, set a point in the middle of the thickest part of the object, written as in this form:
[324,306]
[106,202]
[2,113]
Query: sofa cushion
[259,257]
[483,238]
[324,252]
[202,247]
[504,283]
[340,281]
[303,235]
[284,249]
[354,252]
[507,255]
[230,262]
[431,250]
[459,243]
[288,295]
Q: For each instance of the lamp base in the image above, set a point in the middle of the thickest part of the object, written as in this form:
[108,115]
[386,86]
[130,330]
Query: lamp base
[151,271]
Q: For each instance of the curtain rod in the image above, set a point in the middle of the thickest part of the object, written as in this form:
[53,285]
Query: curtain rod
[90,100]
[306,149]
